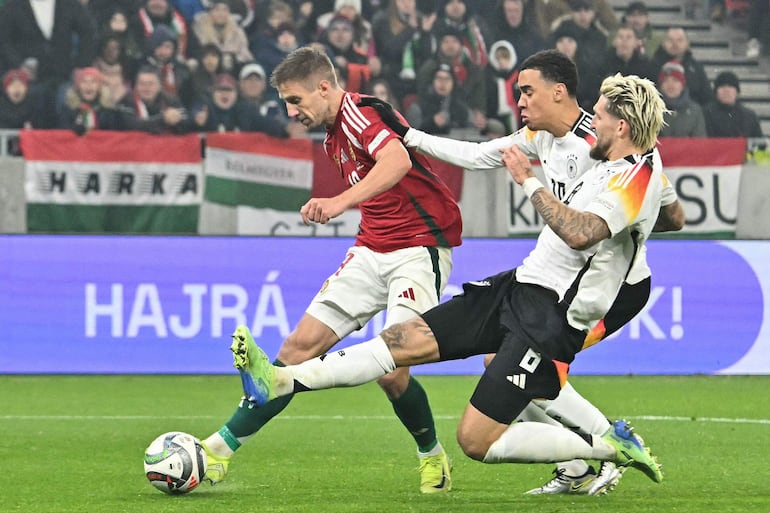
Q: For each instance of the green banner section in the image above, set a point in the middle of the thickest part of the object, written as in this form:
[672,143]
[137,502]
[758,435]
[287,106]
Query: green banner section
[54,218]
[242,193]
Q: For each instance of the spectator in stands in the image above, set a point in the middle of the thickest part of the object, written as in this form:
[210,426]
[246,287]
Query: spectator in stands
[338,39]
[277,14]
[726,116]
[502,74]
[118,24]
[625,57]
[439,108]
[150,109]
[455,14]
[273,51]
[591,49]
[201,83]
[163,55]
[638,18]
[161,12]
[88,104]
[392,31]
[510,24]
[676,46]
[111,62]
[468,79]
[685,118]
[16,108]
[49,39]
[103,10]
[362,29]
[217,26]
[243,11]
[253,90]
[553,12]
[758,23]
[380,88]
[221,112]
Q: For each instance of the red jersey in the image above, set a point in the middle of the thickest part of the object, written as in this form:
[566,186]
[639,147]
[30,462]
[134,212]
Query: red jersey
[417,211]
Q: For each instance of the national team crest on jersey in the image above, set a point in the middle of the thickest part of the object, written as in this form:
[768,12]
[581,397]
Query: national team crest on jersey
[572,165]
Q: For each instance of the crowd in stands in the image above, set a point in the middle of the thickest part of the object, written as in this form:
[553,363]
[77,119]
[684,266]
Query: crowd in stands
[180,66]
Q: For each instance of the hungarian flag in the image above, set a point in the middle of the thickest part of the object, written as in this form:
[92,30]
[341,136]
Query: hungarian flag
[117,182]
[259,181]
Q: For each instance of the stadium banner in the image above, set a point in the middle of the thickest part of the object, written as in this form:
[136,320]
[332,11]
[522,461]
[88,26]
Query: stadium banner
[263,179]
[706,175]
[148,304]
[111,182]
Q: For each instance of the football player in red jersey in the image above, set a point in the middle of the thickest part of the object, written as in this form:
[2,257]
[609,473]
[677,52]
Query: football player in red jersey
[399,263]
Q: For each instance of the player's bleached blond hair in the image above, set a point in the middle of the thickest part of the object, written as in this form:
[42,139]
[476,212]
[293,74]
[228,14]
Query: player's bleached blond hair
[638,102]
[305,65]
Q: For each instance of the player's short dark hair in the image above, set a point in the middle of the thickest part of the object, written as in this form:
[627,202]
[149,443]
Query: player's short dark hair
[555,67]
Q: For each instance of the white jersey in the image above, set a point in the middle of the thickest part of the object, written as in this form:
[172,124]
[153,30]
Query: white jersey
[563,160]
[626,193]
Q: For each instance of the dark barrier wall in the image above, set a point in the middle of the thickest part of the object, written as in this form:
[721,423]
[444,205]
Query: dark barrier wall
[99,304]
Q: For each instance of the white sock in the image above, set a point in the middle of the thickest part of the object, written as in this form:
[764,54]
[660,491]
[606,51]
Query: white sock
[218,446]
[351,366]
[433,452]
[534,442]
[575,412]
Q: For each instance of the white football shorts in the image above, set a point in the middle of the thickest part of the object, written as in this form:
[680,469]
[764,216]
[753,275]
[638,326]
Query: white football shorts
[368,282]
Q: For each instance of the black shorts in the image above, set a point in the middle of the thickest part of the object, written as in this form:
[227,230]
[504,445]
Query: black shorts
[524,324]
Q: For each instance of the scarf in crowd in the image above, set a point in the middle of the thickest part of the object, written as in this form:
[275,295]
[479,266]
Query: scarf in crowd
[87,116]
[141,108]
[178,26]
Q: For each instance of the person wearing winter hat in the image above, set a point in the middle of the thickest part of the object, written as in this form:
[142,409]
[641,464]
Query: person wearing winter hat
[88,104]
[684,117]
[17,110]
[162,54]
[726,116]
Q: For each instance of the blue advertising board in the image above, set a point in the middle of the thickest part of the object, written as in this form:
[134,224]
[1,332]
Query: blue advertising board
[125,304]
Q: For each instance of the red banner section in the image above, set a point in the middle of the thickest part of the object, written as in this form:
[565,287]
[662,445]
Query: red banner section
[701,152]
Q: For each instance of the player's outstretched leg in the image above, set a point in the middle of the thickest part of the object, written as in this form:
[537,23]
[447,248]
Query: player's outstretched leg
[255,368]
[631,451]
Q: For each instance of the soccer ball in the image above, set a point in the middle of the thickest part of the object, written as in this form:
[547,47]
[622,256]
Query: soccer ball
[175,462]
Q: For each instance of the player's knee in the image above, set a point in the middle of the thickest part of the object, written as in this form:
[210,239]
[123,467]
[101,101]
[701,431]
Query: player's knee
[297,349]
[474,447]
[394,383]
[488,358]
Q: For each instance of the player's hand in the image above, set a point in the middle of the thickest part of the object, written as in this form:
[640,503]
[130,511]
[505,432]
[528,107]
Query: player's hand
[387,114]
[320,210]
[517,163]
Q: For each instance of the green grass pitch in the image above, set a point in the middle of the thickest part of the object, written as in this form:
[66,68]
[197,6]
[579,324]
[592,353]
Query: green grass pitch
[75,444]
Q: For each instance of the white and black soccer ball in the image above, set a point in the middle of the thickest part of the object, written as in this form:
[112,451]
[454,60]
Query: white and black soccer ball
[175,463]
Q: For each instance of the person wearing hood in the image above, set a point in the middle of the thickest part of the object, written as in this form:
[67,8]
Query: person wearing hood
[684,117]
[502,74]
[162,12]
[726,115]
[162,54]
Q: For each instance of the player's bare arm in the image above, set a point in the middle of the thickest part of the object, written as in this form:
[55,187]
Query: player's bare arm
[393,163]
[670,218]
[580,230]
